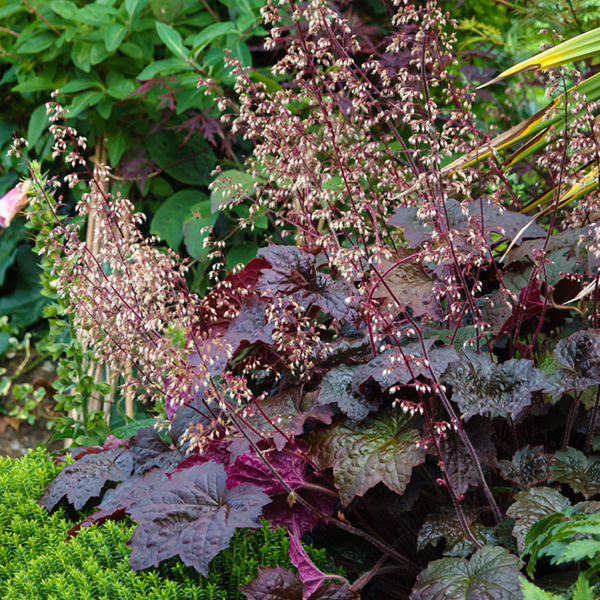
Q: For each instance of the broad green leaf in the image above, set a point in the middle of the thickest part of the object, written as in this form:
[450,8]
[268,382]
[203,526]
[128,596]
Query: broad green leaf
[581,47]
[171,38]
[131,50]
[38,43]
[65,9]
[117,145]
[381,449]
[114,35]
[169,65]
[131,6]
[579,471]
[11,9]
[37,123]
[235,182]
[166,11]
[81,53]
[168,220]
[77,85]
[82,101]
[118,86]
[159,186]
[241,51]
[212,32]
[191,163]
[99,53]
[240,254]
[96,14]
[104,107]
[194,235]
[36,84]
[491,574]
[531,506]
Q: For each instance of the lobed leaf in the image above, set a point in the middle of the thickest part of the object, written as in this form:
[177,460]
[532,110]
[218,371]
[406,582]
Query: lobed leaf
[85,478]
[581,472]
[491,574]
[381,449]
[193,518]
[528,467]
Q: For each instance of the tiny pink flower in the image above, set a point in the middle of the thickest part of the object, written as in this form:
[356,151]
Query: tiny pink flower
[11,203]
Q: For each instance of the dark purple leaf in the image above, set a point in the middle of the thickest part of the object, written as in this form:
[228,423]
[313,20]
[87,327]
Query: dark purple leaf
[415,231]
[273,583]
[495,309]
[250,325]
[284,415]
[150,452]
[391,368]
[529,305]
[193,413]
[335,590]
[193,517]
[463,217]
[579,358]
[581,472]
[483,387]
[444,524]
[382,449]
[336,388]
[294,273]
[528,466]
[110,443]
[456,460]
[491,574]
[116,501]
[532,505]
[85,478]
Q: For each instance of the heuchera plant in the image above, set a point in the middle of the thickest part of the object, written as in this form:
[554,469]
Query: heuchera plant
[419,338]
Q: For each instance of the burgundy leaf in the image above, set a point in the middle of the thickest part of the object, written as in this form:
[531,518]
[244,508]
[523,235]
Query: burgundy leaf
[273,583]
[150,452]
[294,273]
[216,451]
[529,305]
[230,294]
[309,574]
[85,478]
[249,468]
[193,517]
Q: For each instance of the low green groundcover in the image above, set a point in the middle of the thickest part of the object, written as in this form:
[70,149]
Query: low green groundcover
[36,563]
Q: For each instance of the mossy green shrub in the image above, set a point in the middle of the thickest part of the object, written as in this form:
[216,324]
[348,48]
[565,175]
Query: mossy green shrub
[36,563]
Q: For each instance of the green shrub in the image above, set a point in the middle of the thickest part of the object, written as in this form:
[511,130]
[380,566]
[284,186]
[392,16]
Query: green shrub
[36,563]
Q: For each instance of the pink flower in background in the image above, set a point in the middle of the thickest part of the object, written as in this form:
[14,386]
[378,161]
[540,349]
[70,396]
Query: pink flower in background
[11,203]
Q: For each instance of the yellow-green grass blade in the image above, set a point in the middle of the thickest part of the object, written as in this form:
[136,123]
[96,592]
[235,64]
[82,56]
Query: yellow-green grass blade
[580,47]
[585,185]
